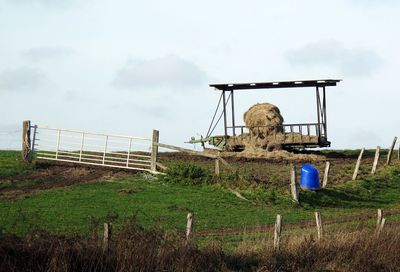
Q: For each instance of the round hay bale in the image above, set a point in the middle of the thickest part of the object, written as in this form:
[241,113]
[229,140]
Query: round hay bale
[263,120]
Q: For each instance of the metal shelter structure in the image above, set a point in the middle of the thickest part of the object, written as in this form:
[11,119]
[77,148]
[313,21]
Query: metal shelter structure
[320,127]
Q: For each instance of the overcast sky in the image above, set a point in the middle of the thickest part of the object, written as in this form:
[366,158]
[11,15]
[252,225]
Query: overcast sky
[131,66]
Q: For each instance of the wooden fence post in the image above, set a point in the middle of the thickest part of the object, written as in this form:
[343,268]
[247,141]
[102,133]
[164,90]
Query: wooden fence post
[379,220]
[318,220]
[293,186]
[326,174]
[355,174]
[376,159]
[189,229]
[389,157]
[217,171]
[398,153]
[154,149]
[26,141]
[107,236]
[277,232]
[381,226]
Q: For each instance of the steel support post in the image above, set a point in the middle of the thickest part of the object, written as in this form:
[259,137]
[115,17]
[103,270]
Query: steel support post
[224,108]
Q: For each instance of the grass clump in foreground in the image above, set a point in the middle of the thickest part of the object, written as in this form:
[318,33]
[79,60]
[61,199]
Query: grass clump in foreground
[135,248]
[11,164]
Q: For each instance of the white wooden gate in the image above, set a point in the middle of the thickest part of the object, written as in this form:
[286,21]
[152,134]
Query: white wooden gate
[95,149]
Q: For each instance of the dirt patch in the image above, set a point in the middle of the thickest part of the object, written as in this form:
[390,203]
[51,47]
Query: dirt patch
[275,170]
[55,175]
[129,191]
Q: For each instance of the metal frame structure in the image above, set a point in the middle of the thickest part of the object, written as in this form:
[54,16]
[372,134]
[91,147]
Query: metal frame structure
[319,85]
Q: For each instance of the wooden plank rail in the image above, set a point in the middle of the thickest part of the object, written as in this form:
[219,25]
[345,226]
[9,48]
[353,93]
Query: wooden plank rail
[197,153]
[177,148]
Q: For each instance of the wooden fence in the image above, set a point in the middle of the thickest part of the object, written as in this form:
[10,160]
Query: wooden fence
[277,230]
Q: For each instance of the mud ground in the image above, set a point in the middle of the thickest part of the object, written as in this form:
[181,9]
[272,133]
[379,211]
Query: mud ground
[50,175]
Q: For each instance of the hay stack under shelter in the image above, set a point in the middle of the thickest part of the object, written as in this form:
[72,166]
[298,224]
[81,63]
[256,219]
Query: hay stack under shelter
[263,119]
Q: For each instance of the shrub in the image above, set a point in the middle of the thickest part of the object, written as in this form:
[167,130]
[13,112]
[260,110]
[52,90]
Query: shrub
[188,173]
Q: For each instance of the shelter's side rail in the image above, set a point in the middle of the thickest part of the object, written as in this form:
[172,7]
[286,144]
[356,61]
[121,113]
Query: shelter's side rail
[302,133]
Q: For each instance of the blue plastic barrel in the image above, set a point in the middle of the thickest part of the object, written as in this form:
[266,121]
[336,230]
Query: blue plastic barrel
[309,179]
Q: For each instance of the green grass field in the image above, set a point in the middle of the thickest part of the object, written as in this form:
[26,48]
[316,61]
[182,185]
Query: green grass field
[164,203]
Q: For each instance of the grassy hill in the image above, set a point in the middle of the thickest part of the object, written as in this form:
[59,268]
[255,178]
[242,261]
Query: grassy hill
[52,216]
[75,199]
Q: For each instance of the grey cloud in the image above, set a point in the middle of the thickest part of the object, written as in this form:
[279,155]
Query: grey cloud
[365,137]
[374,2]
[170,71]
[20,79]
[47,3]
[46,52]
[155,111]
[9,128]
[348,61]
[71,96]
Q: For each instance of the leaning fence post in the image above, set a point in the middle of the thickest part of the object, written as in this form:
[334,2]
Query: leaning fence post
[389,157]
[376,159]
[217,171]
[277,232]
[355,174]
[189,229]
[26,141]
[154,150]
[318,220]
[293,187]
[107,236]
[326,174]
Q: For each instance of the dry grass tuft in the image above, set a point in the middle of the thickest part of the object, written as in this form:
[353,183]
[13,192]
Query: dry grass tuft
[137,249]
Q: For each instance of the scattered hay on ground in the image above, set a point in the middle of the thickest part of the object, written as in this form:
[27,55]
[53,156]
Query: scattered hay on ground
[281,155]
